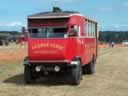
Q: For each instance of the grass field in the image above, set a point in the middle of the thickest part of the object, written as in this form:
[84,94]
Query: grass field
[110,78]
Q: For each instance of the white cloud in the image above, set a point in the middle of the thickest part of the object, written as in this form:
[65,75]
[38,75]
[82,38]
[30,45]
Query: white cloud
[62,1]
[118,26]
[115,27]
[106,9]
[15,24]
[125,4]
[11,24]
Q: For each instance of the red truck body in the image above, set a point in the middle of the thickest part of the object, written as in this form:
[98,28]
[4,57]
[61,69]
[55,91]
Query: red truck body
[63,47]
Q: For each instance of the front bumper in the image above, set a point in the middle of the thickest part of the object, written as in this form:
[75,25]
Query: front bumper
[49,65]
[48,61]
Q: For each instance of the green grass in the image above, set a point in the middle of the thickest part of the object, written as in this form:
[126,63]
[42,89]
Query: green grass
[110,78]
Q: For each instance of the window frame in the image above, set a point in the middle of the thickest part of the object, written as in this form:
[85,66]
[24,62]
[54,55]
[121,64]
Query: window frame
[90,28]
[47,27]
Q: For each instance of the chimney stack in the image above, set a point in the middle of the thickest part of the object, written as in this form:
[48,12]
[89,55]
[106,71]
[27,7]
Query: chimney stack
[56,9]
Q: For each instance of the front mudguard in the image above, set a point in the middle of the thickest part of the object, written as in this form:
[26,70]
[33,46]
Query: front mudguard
[26,61]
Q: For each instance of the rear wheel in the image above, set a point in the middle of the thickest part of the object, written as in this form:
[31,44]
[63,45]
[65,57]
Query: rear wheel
[76,74]
[89,68]
[27,74]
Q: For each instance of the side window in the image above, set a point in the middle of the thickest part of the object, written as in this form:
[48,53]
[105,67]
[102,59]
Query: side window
[86,28]
[94,30]
[78,29]
[75,30]
[85,32]
[90,29]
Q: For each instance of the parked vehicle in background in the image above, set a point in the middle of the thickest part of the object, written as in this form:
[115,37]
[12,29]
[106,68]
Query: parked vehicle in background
[60,42]
[7,37]
[125,43]
[23,37]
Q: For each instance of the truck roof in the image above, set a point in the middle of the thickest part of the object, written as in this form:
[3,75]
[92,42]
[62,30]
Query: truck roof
[63,14]
[57,13]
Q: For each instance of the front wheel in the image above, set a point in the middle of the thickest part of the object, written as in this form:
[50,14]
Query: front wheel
[27,74]
[76,74]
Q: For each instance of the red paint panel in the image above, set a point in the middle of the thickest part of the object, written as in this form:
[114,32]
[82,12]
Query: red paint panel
[61,48]
[47,22]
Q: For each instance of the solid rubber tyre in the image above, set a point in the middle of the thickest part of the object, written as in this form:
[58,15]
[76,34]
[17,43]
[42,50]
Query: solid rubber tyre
[90,68]
[76,74]
[27,74]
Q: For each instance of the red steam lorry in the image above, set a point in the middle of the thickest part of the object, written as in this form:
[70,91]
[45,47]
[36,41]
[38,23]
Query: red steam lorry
[60,42]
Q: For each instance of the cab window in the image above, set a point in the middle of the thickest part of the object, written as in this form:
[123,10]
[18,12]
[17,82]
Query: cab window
[49,32]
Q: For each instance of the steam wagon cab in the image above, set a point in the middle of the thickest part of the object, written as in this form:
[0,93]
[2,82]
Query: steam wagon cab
[60,41]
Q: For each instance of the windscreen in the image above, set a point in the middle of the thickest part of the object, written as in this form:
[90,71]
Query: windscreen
[49,32]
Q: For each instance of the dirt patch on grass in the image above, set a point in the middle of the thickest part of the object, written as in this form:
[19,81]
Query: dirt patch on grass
[12,54]
[110,78]
[109,45]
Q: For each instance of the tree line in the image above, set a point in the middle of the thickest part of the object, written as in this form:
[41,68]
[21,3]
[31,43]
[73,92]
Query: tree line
[113,36]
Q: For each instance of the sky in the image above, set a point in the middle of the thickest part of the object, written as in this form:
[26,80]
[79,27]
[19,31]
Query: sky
[110,14]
